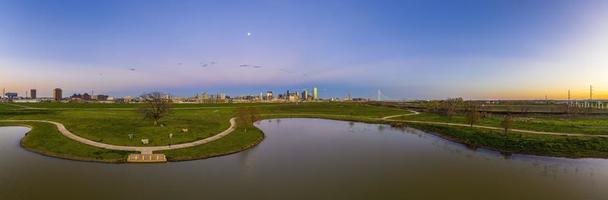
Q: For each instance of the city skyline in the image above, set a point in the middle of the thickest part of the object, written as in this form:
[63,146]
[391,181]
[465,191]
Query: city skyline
[409,49]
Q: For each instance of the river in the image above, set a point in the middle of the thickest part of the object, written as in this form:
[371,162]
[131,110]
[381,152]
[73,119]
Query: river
[310,159]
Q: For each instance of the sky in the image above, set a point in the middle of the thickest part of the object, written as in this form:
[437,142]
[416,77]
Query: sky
[429,49]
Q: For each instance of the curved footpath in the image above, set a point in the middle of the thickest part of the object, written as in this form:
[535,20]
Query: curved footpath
[490,127]
[143,150]
[150,150]
[393,116]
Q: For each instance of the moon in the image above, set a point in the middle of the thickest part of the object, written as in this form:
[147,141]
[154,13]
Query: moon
[248,33]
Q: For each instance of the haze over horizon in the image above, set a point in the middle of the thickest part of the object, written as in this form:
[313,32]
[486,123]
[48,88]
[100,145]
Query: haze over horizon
[408,49]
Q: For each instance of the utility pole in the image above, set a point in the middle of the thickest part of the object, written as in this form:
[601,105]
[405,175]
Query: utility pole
[590,92]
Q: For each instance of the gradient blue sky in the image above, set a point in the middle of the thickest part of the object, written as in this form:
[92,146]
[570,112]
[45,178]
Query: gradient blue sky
[409,49]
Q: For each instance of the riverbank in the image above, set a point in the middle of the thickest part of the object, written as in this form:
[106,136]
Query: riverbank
[506,143]
[208,118]
[518,143]
[45,139]
[103,124]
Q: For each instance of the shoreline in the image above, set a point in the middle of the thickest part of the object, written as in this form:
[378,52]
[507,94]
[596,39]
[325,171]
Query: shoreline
[337,118]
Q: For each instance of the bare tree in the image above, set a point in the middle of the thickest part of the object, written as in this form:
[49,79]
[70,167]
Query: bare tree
[472,113]
[432,106]
[155,106]
[246,116]
[507,123]
[449,106]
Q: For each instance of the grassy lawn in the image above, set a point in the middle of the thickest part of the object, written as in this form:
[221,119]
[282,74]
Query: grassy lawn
[114,127]
[561,146]
[112,124]
[352,109]
[584,125]
[45,139]
[234,142]
[4,106]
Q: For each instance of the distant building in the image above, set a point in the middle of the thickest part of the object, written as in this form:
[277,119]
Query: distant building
[86,97]
[101,97]
[203,98]
[11,95]
[360,99]
[315,93]
[76,96]
[57,94]
[305,95]
[33,93]
[292,98]
[269,95]
[127,99]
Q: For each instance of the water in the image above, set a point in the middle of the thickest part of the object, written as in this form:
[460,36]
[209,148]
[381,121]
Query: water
[310,159]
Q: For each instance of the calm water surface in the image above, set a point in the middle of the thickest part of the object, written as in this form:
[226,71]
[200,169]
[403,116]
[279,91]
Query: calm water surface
[310,159]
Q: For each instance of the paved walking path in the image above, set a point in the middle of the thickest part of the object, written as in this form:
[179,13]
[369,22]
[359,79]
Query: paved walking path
[21,106]
[393,116]
[143,150]
[150,150]
[490,127]
[498,128]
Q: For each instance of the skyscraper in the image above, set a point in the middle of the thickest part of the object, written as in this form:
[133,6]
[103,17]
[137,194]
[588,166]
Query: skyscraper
[33,93]
[57,94]
[315,94]
[305,95]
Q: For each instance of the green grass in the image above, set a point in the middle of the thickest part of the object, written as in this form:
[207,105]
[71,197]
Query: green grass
[45,139]
[111,123]
[114,127]
[129,106]
[5,106]
[352,109]
[583,125]
[234,142]
[544,145]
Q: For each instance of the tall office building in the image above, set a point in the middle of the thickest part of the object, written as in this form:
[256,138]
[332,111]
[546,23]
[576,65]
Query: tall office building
[315,93]
[57,94]
[33,93]
[305,95]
